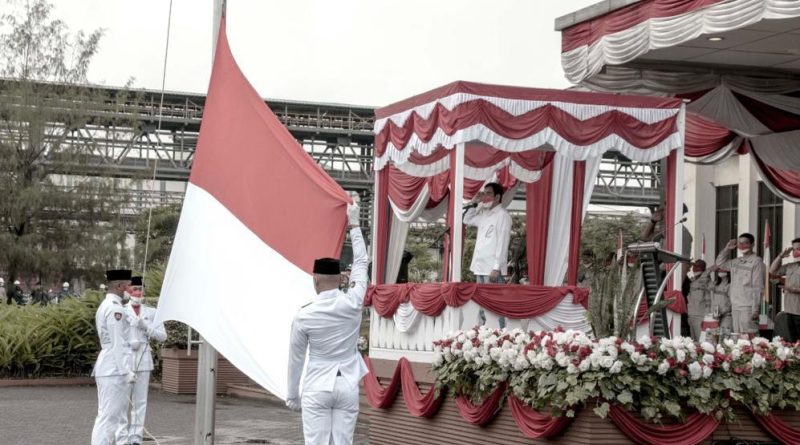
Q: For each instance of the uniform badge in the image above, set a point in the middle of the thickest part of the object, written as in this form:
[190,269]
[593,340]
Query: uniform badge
[118,315]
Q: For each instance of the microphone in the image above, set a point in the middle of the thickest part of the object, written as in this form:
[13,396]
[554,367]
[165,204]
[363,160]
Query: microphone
[661,233]
[470,206]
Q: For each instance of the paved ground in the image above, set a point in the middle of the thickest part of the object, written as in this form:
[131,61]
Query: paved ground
[65,415]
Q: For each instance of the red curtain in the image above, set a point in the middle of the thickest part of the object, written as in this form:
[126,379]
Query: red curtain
[534,424]
[418,405]
[537,208]
[514,301]
[576,219]
[704,137]
[479,112]
[694,430]
[404,189]
[485,412]
[777,428]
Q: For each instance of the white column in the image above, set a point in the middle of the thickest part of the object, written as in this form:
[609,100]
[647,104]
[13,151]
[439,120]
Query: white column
[700,197]
[678,191]
[458,200]
[748,196]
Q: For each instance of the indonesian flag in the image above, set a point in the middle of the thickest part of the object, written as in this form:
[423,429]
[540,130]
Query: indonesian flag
[257,212]
[703,251]
[767,242]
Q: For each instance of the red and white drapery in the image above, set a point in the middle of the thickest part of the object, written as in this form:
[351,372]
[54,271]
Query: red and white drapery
[725,110]
[632,31]
[437,148]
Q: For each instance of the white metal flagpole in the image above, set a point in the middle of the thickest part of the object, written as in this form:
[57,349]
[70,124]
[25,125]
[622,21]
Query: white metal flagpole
[205,403]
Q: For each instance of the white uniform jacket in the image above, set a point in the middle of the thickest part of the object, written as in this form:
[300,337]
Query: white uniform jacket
[139,339]
[329,329]
[491,244]
[113,330]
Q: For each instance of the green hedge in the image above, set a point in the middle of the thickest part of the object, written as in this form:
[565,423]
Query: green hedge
[56,340]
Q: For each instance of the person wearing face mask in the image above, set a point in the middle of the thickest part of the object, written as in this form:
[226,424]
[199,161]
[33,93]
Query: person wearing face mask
[721,301]
[140,317]
[490,257]
[327,330]
[787,264]
[112,371]
[747,274]
[699,297]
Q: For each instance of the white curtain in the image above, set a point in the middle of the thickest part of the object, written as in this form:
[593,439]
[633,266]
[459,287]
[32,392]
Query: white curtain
[565,314]
[560,211]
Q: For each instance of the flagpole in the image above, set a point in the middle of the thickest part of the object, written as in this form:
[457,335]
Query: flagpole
[206,401]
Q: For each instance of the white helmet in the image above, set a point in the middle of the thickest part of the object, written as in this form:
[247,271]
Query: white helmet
[16,282]
[65,284]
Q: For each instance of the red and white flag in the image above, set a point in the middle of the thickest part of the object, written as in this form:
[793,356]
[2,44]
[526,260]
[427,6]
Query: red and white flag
[767,242]
[257,212]
[703,251]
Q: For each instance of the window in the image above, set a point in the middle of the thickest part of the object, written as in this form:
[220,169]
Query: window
[770,208]
[727,221]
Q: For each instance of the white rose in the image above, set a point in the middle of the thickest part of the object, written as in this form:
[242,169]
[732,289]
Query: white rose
[572,369]
[680,355]
[585,365]
[616,367]
[758,361]
[708,347]
[707,371]
[726,366]
[708,359]
[736,353]
[607,362]
[663,368]
[695,371]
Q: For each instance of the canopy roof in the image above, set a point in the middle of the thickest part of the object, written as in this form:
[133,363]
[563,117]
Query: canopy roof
[737,61]
[503,123]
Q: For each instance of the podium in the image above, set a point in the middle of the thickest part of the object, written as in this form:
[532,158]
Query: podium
[654,278]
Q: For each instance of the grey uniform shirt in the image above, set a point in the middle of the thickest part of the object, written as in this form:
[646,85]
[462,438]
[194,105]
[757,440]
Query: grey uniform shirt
[700,295]
[113,330]
[329,329]
[720,299]
[143,357]
[747,274]
[791,300]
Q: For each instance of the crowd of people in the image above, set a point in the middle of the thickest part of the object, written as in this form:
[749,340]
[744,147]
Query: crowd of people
[36,294]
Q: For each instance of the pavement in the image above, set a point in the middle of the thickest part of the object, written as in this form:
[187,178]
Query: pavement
[65,416]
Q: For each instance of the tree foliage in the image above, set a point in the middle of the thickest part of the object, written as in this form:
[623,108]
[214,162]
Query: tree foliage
[58,220]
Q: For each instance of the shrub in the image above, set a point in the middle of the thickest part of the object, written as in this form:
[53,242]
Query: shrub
[56,340]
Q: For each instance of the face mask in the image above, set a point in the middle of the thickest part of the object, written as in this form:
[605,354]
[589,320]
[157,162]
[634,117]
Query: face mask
[743,252]
[723,275]
[136,301]
[796,253]
[691,275]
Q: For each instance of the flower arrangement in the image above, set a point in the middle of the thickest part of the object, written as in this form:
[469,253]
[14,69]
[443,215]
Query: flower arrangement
[658,378]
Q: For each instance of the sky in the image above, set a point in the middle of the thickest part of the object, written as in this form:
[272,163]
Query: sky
[362,52]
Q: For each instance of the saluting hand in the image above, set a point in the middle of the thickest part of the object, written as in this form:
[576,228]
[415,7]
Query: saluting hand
[787,252]
[731,244]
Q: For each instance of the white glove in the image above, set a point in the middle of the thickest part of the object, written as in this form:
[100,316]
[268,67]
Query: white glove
[130,377]
[143,325]
[353,219]
[293,404]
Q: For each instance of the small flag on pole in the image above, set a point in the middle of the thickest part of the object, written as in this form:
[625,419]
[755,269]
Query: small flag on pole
[703,252]
[763,319]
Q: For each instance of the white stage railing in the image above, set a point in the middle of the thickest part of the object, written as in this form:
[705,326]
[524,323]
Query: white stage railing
[386,341]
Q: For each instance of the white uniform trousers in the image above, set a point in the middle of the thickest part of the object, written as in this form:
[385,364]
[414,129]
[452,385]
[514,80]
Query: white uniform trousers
[140,389]
[329,417]
[111,423]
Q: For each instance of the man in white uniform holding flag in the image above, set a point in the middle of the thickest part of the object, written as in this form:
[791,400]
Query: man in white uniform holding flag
[328,328]
[143,328]
[112,371]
